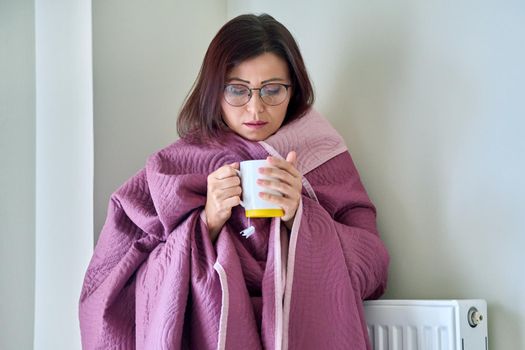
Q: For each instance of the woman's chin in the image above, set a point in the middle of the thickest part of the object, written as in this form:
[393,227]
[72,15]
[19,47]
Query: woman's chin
[254,136]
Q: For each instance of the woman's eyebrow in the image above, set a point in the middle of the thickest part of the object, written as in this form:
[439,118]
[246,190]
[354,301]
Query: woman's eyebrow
[272,79]
[239,79]
[262,82]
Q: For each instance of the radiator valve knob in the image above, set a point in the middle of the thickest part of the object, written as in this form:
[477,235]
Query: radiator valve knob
[474,317]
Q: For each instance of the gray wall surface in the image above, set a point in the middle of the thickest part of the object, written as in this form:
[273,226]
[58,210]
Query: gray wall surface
[145,60]
[17,173]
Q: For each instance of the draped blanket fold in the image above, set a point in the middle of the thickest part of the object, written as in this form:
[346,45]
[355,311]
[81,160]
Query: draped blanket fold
[156,281]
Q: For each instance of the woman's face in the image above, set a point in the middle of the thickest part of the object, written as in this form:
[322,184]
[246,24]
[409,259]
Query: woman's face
[256,120]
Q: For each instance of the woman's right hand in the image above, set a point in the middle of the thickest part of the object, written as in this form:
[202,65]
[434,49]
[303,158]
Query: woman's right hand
[224,191]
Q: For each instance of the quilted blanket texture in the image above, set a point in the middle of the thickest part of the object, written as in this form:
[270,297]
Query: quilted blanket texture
[156,281]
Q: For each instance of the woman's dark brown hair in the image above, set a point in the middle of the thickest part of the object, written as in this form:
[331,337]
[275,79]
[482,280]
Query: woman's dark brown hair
[242,38]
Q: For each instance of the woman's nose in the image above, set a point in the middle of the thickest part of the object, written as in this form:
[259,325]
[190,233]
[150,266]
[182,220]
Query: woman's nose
[255,105]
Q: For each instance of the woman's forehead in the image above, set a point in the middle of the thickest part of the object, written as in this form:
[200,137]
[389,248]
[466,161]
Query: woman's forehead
[260,69]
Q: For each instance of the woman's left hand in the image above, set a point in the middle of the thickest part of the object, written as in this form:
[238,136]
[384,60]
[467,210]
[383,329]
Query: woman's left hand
[289,184]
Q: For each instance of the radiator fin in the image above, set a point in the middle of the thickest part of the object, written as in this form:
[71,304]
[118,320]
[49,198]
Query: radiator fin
[387,337]
[425,325]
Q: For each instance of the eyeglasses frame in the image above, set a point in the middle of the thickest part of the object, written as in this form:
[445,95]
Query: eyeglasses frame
[286,86]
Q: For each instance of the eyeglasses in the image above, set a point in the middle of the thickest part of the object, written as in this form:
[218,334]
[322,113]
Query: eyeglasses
[272,94]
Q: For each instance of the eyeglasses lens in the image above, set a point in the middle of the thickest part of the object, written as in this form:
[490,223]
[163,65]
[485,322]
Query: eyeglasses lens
[271,94]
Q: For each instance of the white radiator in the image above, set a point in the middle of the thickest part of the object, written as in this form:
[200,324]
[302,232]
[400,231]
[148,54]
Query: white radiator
[427,324]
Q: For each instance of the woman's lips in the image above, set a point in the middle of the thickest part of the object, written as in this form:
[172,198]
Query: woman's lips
[255,125]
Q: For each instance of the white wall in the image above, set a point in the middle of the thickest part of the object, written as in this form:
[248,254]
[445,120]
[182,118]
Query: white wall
[425,93]
[429,97]
[64,168]
[146,58]
[17,174]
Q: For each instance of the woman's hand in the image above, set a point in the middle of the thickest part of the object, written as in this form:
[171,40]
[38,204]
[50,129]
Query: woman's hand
[289,184]
[224,191]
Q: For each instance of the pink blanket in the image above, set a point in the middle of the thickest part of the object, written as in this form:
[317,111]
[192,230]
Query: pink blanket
[157,282]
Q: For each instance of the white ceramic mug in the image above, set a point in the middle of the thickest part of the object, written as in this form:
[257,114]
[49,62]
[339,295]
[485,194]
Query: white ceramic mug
[255,206]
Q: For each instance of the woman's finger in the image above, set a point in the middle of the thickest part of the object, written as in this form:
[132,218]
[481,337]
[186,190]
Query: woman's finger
[232,181]
[289,205]
[291,158]
[225,171]
[279,174]
[286,193]
[231,202]
[228,193]
[284,164]
[279,186]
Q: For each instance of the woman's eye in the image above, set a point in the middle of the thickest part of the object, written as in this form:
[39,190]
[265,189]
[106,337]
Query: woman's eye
[272,89]
[237,90]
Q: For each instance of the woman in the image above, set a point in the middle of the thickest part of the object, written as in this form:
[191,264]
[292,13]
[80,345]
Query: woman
[171,270]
